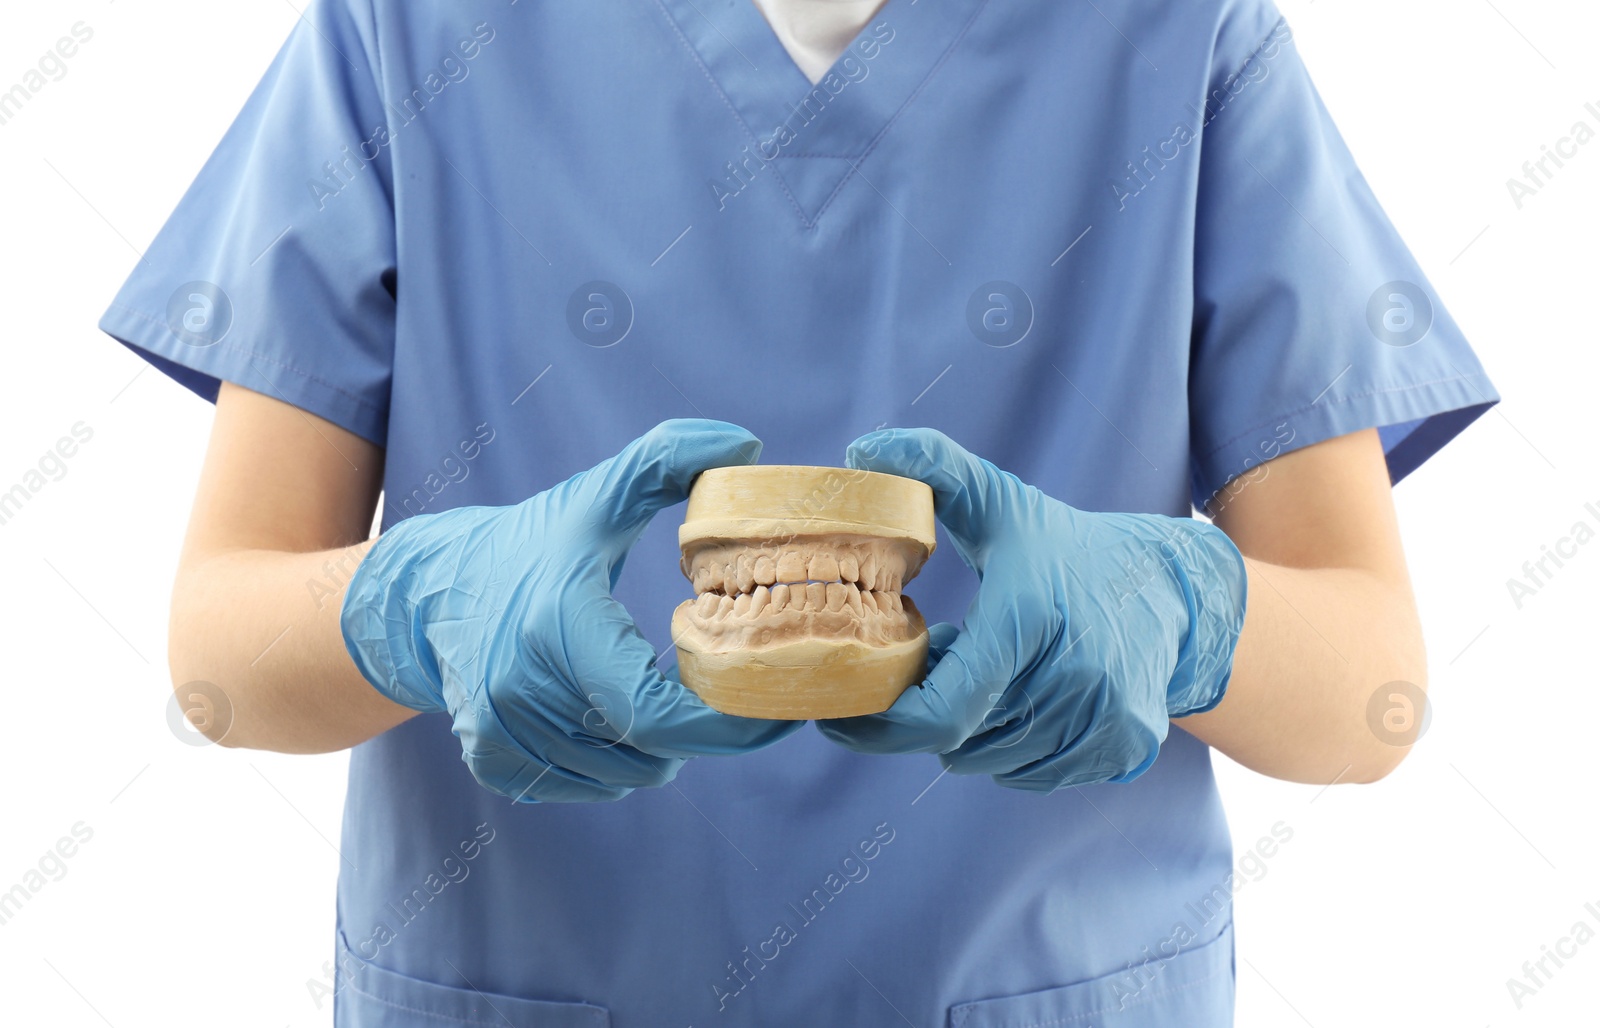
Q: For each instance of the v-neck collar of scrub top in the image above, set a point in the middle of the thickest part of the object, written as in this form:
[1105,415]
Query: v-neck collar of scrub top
[748,67]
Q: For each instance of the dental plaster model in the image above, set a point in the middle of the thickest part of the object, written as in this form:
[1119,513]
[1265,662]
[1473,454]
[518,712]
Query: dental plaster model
[797,573]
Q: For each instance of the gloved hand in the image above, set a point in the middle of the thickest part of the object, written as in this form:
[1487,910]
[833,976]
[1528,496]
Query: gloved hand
[1088,632]
[503,616]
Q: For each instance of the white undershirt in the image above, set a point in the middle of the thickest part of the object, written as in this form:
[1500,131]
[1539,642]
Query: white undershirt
[816,32]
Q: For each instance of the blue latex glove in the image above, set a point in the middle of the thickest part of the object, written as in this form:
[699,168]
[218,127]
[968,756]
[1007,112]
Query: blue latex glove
[503,616]
[1088,632]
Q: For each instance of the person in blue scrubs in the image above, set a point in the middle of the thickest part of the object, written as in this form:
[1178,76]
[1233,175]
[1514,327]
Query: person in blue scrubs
[527,268]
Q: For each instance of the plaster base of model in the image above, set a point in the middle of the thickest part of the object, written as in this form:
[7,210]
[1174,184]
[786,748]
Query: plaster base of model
[809,678]
[798,613]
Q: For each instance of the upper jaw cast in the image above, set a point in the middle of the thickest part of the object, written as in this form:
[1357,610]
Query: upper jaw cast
[870,564]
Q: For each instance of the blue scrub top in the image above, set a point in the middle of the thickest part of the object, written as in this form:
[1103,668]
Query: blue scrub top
[1117,248]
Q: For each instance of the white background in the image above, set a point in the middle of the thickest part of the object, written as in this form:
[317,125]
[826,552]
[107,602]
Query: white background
[208,884]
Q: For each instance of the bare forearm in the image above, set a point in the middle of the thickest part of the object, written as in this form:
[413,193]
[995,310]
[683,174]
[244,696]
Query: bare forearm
[263,626]
[1317,644]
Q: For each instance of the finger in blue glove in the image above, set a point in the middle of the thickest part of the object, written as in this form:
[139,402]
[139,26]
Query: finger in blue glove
[1089,631]
[503,617]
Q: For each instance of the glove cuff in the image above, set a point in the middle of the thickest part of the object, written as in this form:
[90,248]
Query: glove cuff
[1210,572]
[379,629]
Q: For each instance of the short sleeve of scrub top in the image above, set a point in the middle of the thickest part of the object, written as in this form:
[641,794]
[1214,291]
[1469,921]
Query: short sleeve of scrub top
[268,280]
[1300,278]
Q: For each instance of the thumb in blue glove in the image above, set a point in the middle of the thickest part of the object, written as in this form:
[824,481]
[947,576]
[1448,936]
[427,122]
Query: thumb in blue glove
[503,617]
[1088,633]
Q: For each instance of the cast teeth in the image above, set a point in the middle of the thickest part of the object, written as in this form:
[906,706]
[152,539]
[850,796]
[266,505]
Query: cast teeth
[752,583]
[824,568]
[792,567]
